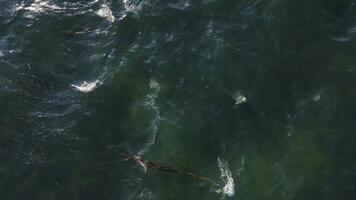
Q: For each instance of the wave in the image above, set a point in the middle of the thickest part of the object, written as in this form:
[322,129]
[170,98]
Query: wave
[106,13]
[87,86]
[347,35]
[38,7]
[226,177]
[54,115]
[131,7]
[181,5]
[239,98]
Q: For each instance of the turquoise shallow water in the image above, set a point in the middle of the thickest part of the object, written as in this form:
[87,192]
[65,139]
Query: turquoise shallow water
[256,95]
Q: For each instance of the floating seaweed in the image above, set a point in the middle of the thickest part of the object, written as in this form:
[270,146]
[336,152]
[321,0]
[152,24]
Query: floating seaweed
[157,166]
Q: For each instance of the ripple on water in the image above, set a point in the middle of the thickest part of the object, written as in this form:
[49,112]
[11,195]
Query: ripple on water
[131,6]
[54,115]
[40,7]
[150,103]
[347,35]
[181,5]
[342,38]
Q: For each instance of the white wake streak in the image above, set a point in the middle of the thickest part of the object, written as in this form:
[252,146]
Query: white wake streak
[226,177]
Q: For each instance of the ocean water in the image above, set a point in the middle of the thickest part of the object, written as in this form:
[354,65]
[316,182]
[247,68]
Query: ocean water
[256,95]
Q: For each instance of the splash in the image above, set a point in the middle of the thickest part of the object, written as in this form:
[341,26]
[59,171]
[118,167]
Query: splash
[226,177]
[106,13]
[87,86]
[140,162]
[150,102]
[239,98]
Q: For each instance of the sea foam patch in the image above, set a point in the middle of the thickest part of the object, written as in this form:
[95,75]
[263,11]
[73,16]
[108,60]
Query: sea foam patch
[39,6]
[145,194]
[131,6]
[239,98]
[150,103]
[106,13]
[87,86]
[226,176]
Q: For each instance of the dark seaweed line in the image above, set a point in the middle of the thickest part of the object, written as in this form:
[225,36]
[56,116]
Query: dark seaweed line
[157,166]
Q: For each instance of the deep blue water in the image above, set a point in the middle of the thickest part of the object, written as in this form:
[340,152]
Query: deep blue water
[257,95]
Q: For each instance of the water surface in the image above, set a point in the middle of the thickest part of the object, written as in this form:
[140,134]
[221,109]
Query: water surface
[256,95]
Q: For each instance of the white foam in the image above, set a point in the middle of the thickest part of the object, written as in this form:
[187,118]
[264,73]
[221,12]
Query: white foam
[239,98]
[19,6]
[39,6]
[130,7]
[150,102]
[106,13]
[226,177]
[87,86]
[316,98]
[145,194]
[138,159]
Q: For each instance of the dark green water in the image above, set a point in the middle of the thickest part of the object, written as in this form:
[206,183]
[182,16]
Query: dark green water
[82,81]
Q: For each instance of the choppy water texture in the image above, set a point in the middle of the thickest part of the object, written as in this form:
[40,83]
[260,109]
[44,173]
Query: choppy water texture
[257,95]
